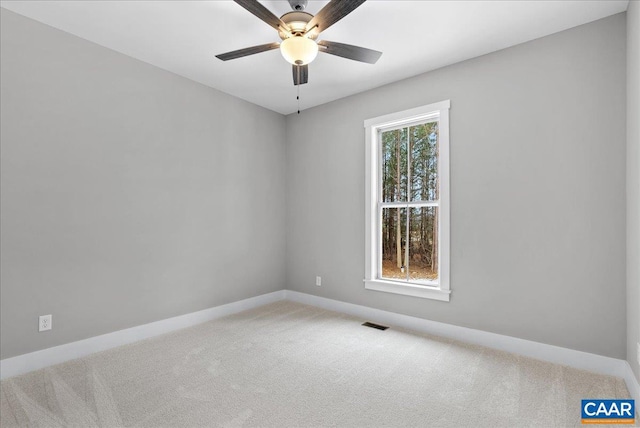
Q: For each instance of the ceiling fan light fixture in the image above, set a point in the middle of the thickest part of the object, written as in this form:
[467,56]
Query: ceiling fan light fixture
[299,50]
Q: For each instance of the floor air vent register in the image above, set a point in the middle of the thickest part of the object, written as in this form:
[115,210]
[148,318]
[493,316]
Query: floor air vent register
[376,326]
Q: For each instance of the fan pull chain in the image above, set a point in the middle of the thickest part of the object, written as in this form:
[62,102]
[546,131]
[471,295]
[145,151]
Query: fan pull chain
[298,96]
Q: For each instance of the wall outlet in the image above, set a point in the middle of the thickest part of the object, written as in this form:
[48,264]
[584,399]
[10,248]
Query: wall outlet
[44,323]
[319,281]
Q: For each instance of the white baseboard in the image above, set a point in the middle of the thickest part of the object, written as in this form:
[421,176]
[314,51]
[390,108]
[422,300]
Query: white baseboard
[553,354]
[633,386]
[58,354]
[20,364]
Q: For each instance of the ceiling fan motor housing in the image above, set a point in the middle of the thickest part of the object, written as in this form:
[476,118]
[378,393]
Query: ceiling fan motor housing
[297,22]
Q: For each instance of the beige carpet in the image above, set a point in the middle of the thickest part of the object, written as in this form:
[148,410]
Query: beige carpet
[291,365]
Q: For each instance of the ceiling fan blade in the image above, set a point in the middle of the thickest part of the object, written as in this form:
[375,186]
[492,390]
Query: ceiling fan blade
[247,51]
[332,13]
[300,74]
[355,53]
[263,13]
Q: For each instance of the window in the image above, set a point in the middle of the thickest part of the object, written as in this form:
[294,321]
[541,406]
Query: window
[407,202]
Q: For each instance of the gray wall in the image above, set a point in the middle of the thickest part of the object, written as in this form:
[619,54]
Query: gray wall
[633,185]
[129,194]
[537,191]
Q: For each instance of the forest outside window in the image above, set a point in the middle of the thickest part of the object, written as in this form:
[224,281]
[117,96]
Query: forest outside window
[407,197]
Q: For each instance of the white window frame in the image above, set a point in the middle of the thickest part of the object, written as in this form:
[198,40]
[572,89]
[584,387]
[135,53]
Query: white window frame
[437,290]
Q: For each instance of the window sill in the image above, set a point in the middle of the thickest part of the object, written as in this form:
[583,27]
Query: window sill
[407,289]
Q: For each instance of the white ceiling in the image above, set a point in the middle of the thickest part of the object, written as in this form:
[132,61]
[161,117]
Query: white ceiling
[414,36]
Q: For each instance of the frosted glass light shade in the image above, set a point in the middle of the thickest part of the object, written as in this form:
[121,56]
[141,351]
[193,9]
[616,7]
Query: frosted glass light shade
[299,50]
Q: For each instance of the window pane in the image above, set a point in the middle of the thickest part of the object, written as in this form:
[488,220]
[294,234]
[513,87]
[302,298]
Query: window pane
[424,162]
[394,165]
[394,243]
[423,244]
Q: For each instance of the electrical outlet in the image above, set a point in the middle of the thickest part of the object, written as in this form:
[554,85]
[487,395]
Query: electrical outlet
[319,281]
[44,323]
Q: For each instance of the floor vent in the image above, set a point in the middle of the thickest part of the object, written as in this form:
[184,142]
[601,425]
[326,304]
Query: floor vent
[372,325]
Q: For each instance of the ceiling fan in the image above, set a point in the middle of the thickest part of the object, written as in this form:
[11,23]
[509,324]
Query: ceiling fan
[299,31]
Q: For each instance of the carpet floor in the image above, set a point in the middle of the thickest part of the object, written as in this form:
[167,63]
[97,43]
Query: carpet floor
[292,365]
